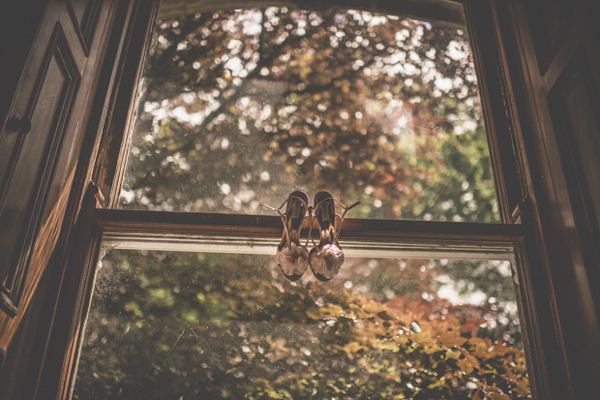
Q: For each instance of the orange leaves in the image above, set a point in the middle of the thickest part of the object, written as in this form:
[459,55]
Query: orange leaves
[472,360]
[465,366]
[387,178]
[472,325]
[500,349]
[401,340]
[476,395]
[399,337]
[498,396]
[522,387]
[423,338]
[451,339]
[480,347]
[468,364]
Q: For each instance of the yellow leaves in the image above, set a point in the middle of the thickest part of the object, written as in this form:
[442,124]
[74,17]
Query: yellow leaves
[330,310]
[437,384]
[423,338]
[303,62]
[401,340]
[273,394]
[314,313]
[434,349]
[388,345]
[353,347]
[472,360]
[358,311]
[522,387]
[382,344]
[465,366]
[369,165]
[135,308]
[190,315]
[468,364]
[374,307]
[480,347]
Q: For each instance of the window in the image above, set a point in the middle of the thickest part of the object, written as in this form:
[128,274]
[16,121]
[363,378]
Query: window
[242,107]
[387,112]
[206,325]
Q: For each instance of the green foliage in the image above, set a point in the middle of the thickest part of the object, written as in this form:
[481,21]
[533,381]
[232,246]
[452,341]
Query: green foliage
[167,325]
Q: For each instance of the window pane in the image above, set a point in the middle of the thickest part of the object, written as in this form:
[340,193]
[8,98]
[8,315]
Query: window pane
[200,325]
[242,107]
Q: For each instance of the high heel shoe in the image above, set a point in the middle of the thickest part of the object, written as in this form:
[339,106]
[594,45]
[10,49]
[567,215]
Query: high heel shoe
[292,257]
[327,257]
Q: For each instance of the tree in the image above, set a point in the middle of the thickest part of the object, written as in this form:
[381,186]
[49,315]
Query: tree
[168,325]
[240,108]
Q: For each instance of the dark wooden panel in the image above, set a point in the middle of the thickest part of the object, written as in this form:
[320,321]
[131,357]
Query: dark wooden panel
[77,10]
[581,111]
[557,110]
[498,109]
[22,335]
[575,109]
[33,156]
[549,20]
[543,40]
[113,152]
[85,19]
[14,211]
[17,20]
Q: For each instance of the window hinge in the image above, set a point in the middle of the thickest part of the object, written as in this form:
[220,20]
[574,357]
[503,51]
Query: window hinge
[519,209]
[97,193]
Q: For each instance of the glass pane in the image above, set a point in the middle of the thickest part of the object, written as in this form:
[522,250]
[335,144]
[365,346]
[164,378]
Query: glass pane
[242,107]
[167,325]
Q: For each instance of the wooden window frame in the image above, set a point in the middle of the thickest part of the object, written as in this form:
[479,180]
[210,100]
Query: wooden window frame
[518,234]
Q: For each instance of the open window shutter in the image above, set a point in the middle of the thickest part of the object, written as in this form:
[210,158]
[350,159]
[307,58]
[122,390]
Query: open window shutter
[40,141]
[560,66]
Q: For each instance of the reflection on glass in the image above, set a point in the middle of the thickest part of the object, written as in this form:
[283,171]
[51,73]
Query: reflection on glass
[216,326]
[242,107]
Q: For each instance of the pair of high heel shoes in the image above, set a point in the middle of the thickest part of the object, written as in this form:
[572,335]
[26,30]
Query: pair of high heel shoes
[326,257]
